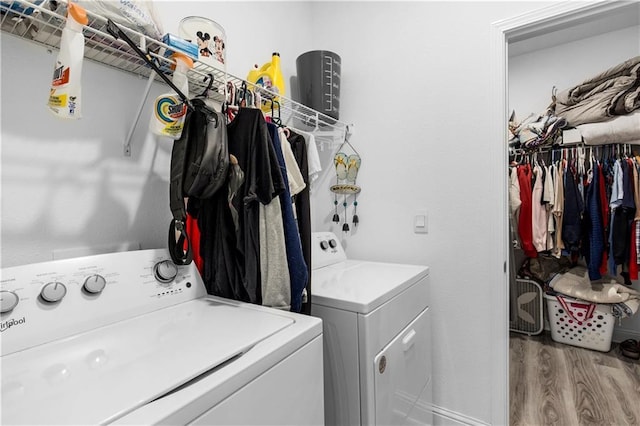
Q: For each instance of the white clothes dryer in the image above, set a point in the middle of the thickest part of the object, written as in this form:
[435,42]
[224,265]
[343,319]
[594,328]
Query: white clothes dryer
[377,337]
[131,338]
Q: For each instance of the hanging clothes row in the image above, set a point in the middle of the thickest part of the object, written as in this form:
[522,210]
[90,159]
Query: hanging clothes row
[255,233]
[579,205]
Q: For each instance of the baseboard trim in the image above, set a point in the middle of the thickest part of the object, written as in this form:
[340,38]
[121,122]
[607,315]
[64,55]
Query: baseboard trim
[444,416]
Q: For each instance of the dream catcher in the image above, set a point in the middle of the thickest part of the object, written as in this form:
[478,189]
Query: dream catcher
[347,163]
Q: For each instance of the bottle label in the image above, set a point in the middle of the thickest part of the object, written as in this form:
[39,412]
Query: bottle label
[174,129]
[57,100]
[60,76]
[265,81]
[170,113]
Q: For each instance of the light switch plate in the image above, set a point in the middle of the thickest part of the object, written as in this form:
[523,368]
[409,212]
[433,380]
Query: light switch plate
[421,223]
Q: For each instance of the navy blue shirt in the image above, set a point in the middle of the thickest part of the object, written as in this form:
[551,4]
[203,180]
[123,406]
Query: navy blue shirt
[298,272]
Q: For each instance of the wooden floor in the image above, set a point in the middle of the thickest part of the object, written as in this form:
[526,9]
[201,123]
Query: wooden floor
[557,384]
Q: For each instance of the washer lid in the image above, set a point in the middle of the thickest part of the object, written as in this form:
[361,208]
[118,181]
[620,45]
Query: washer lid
[98,376]
[362,286]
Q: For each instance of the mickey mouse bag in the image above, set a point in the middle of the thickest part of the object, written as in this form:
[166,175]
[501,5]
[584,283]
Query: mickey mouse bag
[210,38]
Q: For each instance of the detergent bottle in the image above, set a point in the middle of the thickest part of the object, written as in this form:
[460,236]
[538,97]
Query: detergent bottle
[270,77]
[276,72]
[65,94]
[169,110]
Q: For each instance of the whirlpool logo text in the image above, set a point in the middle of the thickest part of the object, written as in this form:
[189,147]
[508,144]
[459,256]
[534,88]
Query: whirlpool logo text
[5,325]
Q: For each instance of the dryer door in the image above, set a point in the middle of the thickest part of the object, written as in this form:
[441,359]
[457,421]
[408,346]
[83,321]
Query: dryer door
[403,376]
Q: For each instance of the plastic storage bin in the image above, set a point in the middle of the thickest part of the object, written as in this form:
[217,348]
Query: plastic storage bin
[319,81]
[579,323]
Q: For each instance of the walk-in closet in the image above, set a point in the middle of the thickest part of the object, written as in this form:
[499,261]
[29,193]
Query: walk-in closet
[569,362]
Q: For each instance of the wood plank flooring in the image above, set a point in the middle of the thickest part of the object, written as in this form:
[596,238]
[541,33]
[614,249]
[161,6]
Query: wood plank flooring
[557,384]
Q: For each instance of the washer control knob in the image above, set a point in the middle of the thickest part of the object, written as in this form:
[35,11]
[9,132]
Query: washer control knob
[324,245]
[94,284]
[53,292]
[165,271]
[8,301]
[333,243]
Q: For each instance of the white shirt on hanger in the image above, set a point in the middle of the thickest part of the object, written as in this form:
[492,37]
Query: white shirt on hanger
[313,157]
[294,176]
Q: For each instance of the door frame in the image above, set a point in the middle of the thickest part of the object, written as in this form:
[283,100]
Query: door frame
[522,27]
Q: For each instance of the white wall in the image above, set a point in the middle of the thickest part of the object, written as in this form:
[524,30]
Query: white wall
[66,187]
[254,29]
[66,184]
[415,83]
[532,75]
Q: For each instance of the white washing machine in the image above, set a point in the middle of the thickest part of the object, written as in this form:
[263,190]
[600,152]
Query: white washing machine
[129,338]
[377,337]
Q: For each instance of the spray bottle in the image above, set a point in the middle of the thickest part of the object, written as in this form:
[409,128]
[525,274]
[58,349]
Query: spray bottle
[65,94]
[169,111]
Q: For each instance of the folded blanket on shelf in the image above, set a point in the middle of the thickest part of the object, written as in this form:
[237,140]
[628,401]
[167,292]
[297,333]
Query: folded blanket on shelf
[621,129]
[575,283]
[536,130]
[615,91]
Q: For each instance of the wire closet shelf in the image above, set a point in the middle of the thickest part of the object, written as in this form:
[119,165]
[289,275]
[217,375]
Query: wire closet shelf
[43,23]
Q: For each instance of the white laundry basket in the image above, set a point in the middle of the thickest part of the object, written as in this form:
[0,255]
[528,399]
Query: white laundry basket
[579,323]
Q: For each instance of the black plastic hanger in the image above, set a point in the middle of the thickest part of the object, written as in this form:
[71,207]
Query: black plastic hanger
[212,80]
[276,119]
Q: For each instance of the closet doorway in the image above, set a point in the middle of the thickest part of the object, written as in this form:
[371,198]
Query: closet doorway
[557,24]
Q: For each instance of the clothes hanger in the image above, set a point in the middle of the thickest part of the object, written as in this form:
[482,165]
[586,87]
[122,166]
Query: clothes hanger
[275,119]
[257,99]
[249,98]
[231,93]
[205,92]
[543,163]
[228,106]
[117,33]
[241,95]
[581,156]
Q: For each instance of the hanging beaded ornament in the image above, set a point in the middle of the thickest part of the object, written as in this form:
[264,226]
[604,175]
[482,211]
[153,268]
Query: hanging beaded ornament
[347,167]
